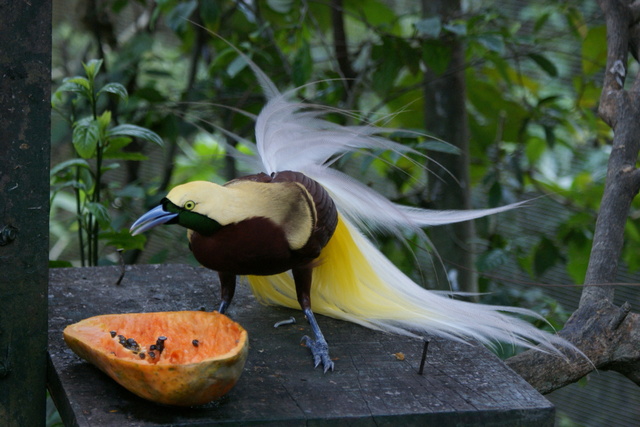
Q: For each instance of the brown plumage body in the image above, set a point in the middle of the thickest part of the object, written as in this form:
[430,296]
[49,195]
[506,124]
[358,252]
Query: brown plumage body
[258,246]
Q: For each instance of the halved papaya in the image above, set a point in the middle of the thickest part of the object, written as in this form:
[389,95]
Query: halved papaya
[181,358]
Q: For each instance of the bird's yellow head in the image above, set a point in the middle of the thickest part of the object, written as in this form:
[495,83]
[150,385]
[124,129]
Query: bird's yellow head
[190,205]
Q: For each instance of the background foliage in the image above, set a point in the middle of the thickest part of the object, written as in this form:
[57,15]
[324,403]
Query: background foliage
[531,107]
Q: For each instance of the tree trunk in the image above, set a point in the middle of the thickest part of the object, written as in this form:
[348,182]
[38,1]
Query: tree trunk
[446,118]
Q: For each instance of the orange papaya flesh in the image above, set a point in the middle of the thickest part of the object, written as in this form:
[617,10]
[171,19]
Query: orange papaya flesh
[182,358]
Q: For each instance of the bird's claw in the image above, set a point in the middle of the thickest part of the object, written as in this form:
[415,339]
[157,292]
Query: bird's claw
[320,352]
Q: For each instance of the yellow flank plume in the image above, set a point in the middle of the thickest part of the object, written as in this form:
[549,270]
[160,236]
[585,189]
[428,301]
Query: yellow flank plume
[355,282]
[347,286]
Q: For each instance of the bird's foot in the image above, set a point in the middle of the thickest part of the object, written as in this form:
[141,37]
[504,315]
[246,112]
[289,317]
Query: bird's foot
[320,351]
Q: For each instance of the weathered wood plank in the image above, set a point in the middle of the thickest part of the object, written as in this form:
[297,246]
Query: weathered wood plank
[25,109]
[462,384]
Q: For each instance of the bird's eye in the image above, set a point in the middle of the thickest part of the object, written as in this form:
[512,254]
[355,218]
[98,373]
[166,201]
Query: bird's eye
[189,205]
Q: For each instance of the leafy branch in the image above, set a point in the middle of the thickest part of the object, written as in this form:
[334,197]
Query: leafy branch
[95,139]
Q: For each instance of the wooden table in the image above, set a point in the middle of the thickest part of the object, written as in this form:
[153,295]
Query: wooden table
[461,384]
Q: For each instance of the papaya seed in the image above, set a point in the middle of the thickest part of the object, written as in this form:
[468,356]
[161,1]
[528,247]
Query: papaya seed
[113,334]
[195,343]
[160,343]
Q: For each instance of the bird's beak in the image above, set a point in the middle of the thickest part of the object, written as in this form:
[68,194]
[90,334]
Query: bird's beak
[155,216]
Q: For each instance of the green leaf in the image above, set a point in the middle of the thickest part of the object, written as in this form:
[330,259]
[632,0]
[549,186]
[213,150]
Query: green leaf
[548,100]
[85,137]
[550,135]
[123,240]
[110,167]
[436,55]
[302,65]
[429,27]
[541,21]
[178,17]
[534,149]
[104,120]
[151,94]
[115,88]
[237,65]
[132,191]
[492,259]
[390,64]
[594,51]
[632,240]
[210,13]
[118,143]
[546,255]
[92,68]
[576,21]
[409,55]
[578,260]
[135,132]
[77,185]
[59,264]
[78,85]
[544,63]
[72,163]
[492,42]
[125,155]
[373,12]
[495,194]
[75,84]
[526,264]
[118,5]
[280,6]
[101,213]
[458,28]
[114,150]
[440,146]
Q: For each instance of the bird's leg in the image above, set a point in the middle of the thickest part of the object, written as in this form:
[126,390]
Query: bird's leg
[227,289]
[319,347]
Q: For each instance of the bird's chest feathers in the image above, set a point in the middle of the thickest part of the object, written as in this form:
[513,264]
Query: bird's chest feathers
[254,246]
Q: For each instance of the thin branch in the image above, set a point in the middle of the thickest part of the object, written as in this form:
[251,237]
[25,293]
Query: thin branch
[340,43]
[618,20]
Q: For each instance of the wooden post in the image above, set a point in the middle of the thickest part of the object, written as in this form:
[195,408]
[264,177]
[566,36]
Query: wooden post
[25,80]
